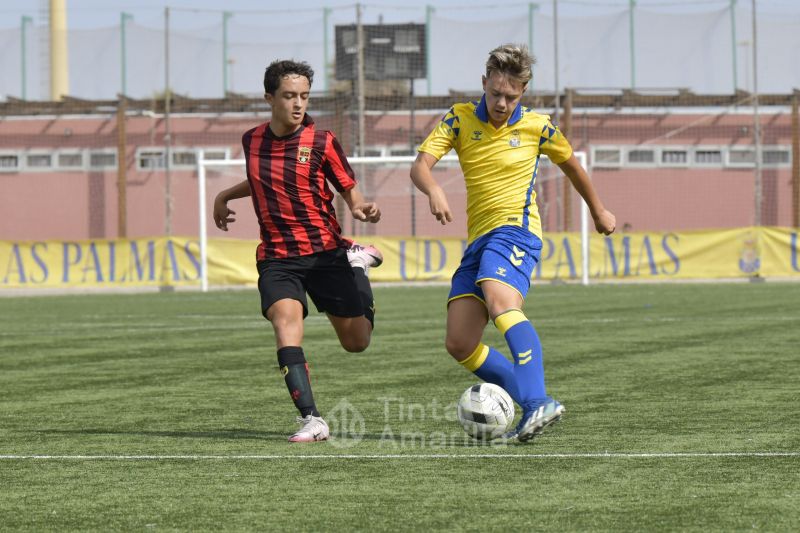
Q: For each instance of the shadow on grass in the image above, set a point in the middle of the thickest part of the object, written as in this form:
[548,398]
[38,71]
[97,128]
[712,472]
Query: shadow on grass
[391,442]
[223,434]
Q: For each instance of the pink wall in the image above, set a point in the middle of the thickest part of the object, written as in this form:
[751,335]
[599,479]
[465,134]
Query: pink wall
[83,204]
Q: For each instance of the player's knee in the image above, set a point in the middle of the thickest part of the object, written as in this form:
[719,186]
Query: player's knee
[459,348]
[355,344]
[282,322]
[495,309]
[356,339]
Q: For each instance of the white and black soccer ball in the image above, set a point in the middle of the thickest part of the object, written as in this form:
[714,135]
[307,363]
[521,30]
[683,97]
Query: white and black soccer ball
[485,411]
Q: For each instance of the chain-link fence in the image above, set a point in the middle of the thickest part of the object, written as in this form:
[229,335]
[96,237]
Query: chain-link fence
[706,47]
[663,160]
[660,167]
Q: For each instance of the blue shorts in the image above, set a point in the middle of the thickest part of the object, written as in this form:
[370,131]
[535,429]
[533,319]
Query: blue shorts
[507,254]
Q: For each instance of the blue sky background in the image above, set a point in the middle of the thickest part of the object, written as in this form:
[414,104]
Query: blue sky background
[678,44]
[103,13]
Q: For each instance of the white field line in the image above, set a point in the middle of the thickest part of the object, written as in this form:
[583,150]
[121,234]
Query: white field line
[601,455]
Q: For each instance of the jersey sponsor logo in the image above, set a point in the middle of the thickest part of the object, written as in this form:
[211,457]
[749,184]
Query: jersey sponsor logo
[516,256]
[476,135]
[303,154]
[525,357]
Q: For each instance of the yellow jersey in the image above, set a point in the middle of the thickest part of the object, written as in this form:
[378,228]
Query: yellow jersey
[499,165]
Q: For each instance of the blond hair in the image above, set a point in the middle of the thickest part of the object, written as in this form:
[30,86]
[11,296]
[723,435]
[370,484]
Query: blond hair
[513,60]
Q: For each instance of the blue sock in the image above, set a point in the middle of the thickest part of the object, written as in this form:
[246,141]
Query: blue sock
[493,367]
[527,351]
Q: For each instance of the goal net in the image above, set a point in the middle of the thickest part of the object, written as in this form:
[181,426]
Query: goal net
[405,211]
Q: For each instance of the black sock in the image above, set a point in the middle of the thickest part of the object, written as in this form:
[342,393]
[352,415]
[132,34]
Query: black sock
[365,291]
[293,366]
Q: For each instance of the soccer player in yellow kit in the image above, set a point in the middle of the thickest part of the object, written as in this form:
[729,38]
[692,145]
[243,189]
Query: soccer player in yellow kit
[499,142]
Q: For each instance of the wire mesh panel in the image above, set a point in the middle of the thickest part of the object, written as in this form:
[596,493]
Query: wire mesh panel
[659,169]
[609,44]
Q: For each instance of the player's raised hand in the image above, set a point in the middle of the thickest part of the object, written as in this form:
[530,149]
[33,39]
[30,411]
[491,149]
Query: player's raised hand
[605,222]
[223,215]
[367,212]
[439,206]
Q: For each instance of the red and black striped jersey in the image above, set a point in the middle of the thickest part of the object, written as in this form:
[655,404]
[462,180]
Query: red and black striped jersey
[289,179]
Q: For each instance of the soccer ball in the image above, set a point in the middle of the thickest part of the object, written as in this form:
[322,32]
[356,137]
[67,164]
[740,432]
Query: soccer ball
[485,411]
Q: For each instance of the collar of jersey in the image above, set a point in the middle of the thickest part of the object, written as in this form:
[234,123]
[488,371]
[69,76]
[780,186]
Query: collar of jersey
[307,121]
[482,112]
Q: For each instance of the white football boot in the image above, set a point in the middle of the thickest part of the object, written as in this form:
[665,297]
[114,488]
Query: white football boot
[313,429]
[364,256]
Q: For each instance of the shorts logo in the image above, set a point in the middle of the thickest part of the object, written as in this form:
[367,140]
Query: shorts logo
[303,154]
[516,256]
[501,271]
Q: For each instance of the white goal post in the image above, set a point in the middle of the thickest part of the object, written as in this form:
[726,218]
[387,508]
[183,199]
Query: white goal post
[203,164]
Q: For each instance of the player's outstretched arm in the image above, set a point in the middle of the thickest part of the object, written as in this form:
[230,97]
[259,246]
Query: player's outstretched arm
[604,220]
[222,214]
[360,208]
[423,180]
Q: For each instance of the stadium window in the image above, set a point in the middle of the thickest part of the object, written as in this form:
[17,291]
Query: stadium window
[9,163]
[776,156]
[638,156]
[39,161]
[187,157]
[216,154]
[184,158]
[741,157]
[674,157]
[606,157]
[102,159]
[707,157]
[150,159]
[70,160]
[375,151]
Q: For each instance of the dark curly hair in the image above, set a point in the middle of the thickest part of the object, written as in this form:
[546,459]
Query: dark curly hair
[278,69]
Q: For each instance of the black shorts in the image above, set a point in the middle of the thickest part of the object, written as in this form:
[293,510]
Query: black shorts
[326,276]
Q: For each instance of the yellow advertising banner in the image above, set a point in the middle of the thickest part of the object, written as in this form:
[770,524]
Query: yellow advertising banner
[161,261]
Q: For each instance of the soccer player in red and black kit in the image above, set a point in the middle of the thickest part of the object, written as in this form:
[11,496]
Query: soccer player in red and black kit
[290,164]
